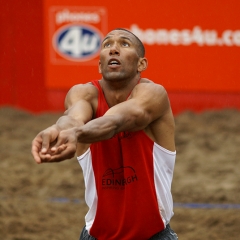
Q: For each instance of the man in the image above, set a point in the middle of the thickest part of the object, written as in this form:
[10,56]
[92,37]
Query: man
[122,130]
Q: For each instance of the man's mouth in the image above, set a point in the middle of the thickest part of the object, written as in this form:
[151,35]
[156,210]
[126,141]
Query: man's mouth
[113,62]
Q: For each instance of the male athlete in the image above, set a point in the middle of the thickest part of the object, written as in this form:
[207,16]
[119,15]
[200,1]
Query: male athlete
[122,130]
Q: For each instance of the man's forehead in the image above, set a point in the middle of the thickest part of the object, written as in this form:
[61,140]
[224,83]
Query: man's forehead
[120,33]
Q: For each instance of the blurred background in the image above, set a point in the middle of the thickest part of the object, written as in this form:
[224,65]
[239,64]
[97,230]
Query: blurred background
[193,49]
[47,46]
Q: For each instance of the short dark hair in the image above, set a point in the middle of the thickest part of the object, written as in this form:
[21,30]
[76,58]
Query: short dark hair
[141,48]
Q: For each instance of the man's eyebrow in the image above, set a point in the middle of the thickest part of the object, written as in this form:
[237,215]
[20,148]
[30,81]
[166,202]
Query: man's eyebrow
[127,38]
[105,38]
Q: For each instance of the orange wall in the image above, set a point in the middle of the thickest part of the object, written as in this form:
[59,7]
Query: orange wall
[21,59]
[196,59]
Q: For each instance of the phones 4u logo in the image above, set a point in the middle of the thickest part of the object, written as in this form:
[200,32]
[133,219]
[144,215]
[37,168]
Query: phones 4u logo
[76,34]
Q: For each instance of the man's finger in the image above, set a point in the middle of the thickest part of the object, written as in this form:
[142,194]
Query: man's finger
[67,153]
[46,138]
[45,158]
[58,149]
[36,155]
[36,147]
[60,141]
[63,152]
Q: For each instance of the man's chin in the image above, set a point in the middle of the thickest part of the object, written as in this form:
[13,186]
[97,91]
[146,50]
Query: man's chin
[113,76]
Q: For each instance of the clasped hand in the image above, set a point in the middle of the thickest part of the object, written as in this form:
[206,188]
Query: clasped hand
[54,145]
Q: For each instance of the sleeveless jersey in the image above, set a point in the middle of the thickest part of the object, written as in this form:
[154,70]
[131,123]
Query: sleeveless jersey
[128,184]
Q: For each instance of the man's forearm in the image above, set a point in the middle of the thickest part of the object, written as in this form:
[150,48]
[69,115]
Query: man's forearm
[66,122]
[98,129]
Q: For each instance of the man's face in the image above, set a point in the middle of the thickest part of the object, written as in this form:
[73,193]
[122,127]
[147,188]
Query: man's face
[119,58]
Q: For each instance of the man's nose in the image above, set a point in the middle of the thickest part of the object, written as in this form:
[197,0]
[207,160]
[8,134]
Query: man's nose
[114,50]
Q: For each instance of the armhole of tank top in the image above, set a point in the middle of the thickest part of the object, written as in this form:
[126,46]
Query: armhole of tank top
[135,86]
[79,158]
[159,146]
[96,84]
[164,149]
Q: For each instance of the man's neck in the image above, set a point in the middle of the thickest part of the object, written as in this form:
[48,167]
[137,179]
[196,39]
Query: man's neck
[118,91]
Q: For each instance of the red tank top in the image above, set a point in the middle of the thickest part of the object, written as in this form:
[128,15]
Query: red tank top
[127,207]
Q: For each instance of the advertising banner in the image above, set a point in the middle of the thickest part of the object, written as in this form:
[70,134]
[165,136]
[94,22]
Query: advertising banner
[191,46]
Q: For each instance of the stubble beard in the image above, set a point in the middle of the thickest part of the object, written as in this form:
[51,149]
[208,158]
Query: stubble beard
[117,76]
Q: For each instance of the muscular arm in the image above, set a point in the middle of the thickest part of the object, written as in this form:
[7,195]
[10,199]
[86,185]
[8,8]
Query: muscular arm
[79,106]
[79,110]
[148,102]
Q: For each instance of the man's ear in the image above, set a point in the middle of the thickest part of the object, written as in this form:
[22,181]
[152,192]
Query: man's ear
[142,64]
[99,67]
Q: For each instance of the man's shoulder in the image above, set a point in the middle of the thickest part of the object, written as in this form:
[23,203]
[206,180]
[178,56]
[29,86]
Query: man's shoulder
[149,85]
[146,80]
[83,89]
[86,91]
[83,86]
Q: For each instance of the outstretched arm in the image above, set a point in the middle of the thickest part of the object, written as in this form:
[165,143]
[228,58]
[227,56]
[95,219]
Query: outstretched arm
[79,104]
[148,102]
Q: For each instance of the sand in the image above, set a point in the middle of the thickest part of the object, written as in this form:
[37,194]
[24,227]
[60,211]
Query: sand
[43,202]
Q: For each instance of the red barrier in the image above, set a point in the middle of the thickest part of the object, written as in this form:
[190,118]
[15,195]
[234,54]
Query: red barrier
[22,65]
[191,101]
[193,49]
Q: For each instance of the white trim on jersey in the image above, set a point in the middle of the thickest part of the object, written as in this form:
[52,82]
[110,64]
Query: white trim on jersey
[91,198]
[164,161]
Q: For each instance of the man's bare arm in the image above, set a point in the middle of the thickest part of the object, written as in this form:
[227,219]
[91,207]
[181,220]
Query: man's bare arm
[148,102]
[79,107]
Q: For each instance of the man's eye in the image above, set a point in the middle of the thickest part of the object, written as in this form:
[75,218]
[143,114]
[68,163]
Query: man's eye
[125,44]
[107,45]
